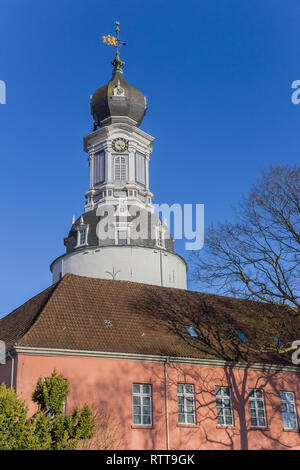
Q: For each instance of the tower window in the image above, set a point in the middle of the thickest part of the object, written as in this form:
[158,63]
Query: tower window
[99,168]
[120,168]
[82,236]
[122,237]
[140,169]
[160,239]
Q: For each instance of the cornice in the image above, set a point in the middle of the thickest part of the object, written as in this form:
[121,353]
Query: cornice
[34,351]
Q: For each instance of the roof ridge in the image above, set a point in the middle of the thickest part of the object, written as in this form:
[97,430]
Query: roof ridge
[174,289]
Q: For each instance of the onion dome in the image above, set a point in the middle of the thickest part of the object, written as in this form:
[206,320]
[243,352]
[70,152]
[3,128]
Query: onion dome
[117,99]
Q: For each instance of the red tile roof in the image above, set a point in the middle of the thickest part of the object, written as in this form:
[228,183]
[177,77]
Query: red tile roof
[81,313]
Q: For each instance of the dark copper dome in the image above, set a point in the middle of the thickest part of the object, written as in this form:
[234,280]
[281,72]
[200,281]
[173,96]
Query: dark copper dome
[117,99]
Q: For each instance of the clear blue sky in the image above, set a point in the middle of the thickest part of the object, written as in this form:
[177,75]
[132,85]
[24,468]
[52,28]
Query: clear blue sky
[218,75]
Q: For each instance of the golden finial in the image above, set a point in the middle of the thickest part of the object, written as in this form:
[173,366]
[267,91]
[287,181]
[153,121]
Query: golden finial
[112,40]
[116,42]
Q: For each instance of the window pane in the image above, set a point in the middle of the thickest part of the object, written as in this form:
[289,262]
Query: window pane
[220,420]
[180,388]
[136,419]
[180,408]
[190,419]
[146,389]
[146,401]
[136,388]
[146,419]
[180,418]
[228,420]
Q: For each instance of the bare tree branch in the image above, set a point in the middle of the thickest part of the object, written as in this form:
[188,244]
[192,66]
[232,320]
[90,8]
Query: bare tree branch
[257,256]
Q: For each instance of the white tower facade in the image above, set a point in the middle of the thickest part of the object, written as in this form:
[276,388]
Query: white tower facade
[118,236]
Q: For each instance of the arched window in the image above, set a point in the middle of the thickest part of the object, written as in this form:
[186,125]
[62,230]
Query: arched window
[120,168]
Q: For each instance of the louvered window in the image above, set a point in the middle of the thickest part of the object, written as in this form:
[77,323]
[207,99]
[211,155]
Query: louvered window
[140,169]
[120,168]
[99,168]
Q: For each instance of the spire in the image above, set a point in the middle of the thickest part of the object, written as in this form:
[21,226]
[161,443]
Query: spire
[116,42]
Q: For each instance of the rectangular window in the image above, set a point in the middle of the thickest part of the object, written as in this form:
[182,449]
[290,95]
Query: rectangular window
[120,168]
[160,240]
[186,404]
[224,406]
[288,409]
[257,408]
[99,168]
[140,168]
[82,236]
[142,404]
[122,237]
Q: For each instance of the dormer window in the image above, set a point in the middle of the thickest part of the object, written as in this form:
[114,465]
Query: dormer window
[122,237]
[160,237]
[82,236]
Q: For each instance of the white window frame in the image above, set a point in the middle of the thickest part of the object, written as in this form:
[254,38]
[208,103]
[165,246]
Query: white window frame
[99,161]
[288,402]
[160,237]
[256,405]
[121,229]
[223,397]
[79,230]
[188,399]
[122,165]
[141,395]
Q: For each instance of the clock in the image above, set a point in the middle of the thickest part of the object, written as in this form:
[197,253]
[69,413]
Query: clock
[120,144]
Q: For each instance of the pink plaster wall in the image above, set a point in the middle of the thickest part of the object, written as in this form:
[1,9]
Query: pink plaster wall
[106,384]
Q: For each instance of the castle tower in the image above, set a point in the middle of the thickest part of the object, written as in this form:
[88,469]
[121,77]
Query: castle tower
[118,236]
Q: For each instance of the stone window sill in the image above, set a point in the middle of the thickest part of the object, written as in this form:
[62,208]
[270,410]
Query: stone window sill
[184,425]
[142,426]
[225,427]
[257,428]
[292,430]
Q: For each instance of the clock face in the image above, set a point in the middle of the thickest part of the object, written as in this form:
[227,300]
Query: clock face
[120,144]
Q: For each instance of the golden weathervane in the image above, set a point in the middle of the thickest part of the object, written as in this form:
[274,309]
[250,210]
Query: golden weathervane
[112,40]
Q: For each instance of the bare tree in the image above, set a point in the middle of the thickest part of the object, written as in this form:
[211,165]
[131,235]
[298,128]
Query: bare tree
[258,256]
[106,433]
